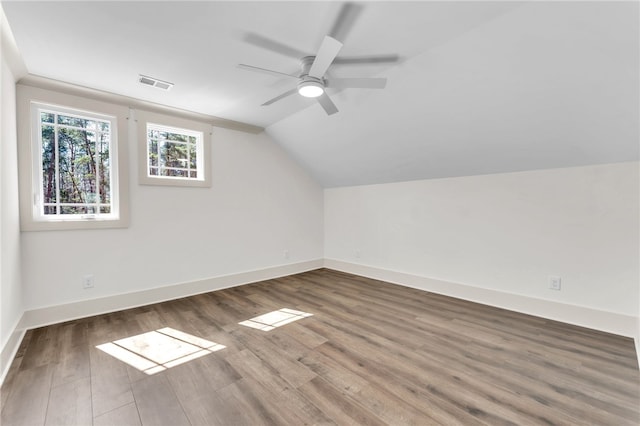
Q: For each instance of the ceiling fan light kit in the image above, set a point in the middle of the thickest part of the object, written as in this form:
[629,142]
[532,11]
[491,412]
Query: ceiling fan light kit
[310,88]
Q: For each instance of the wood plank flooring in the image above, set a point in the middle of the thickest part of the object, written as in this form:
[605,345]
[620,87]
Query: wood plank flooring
[371,353]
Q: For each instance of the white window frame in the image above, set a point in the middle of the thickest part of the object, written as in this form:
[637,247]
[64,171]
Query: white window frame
[178,125]
[31,100]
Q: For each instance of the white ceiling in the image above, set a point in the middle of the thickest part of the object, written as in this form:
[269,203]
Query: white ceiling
[483,87]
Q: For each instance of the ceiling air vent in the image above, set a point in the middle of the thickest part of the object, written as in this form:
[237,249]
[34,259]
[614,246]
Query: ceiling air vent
[150,81]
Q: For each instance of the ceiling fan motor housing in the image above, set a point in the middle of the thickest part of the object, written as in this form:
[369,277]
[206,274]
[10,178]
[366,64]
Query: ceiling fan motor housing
[310,87]
[305,65]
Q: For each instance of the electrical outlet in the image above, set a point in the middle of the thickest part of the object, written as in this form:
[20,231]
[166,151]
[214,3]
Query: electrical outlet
[554,282]
[286,254]
[357,253]
[87,281]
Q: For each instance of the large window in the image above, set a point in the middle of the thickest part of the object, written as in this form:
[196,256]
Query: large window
[75,167]
[73,161]
[172,150]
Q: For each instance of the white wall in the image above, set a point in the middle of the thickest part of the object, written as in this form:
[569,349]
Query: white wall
[260,204]
[11,306]
[503,232]
[10,292]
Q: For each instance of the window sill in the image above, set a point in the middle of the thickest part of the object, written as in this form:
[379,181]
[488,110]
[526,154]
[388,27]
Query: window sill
[68,225]
[144,180]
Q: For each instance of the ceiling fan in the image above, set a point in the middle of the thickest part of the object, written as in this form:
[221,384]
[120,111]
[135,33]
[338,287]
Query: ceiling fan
[313,79]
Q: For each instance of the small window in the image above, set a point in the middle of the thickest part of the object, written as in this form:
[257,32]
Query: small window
[173,151]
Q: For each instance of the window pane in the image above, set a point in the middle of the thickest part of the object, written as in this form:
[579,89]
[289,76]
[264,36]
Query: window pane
[193,174]
[75,210]
[175,173]
[46,117]
[177,137]
[153,171]
[104,165]
[194,156]
[105,209]
[50,210]
[77,122]
[68,192]
[48,164]
[77,166]
[173,154]
[153,153]
[85,163]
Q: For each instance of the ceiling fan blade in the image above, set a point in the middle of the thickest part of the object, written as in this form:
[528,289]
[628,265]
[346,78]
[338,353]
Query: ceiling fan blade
[357,83]
[282,96]
[274,46]
[381,59]
[327,53]
[265,71]
[327,104]
[345,19]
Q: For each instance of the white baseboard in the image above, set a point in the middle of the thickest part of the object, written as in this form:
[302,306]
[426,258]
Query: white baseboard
[637,340]
[610,322]
[86,308]
[9,351]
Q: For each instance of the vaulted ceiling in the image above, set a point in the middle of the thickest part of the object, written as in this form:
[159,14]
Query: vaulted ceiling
[481,87]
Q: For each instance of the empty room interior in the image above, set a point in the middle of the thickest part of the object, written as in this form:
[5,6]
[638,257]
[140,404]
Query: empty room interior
[336,213]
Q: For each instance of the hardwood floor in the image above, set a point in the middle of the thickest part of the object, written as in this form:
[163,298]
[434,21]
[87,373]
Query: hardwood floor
[371,353]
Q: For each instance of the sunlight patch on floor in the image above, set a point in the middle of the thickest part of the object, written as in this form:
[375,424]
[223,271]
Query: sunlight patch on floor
[159,350]
[272,320]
